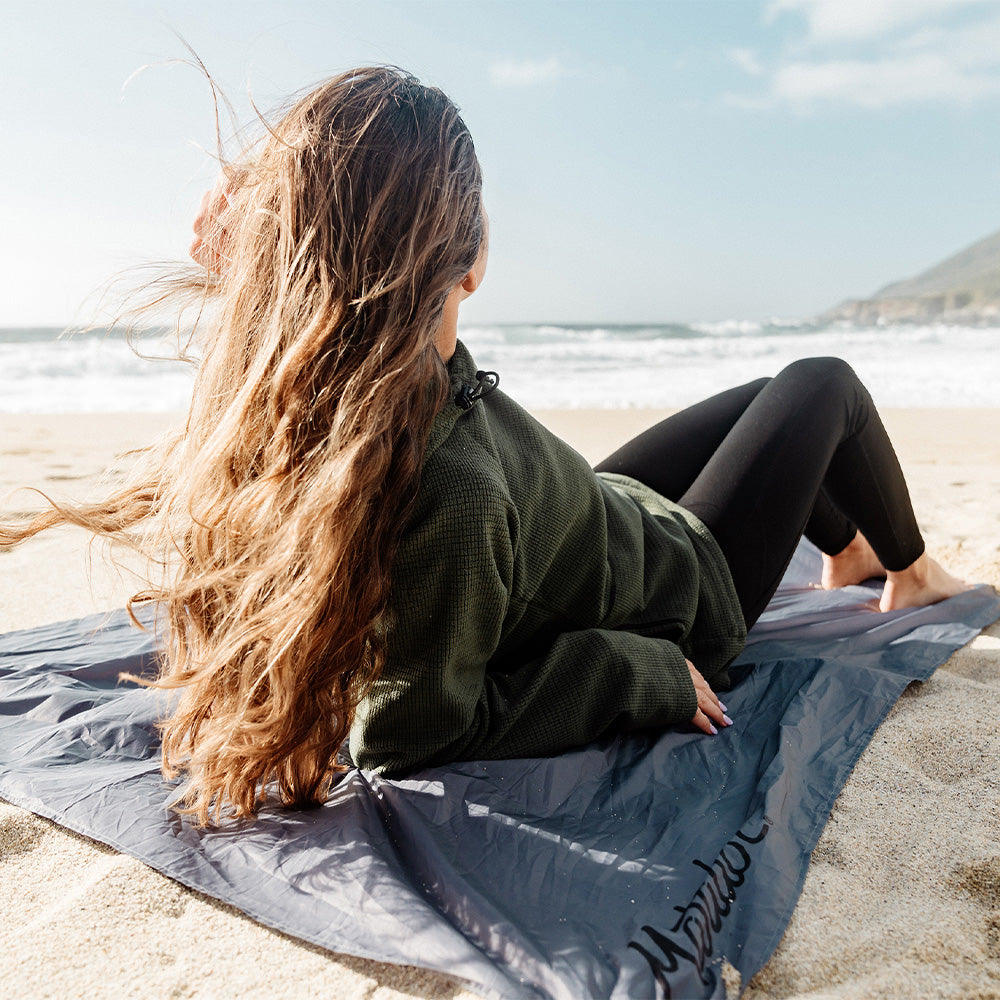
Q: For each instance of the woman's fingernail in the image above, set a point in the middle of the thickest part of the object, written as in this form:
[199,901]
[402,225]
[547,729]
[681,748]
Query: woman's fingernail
[723,707]
[715,732]
[727,720]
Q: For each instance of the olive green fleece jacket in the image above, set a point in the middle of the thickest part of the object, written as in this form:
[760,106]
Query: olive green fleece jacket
[535,604]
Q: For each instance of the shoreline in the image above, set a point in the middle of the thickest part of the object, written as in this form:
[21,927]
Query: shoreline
[903,894]
[951,458]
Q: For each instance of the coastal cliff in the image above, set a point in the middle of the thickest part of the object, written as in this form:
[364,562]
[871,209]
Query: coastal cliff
[963,289]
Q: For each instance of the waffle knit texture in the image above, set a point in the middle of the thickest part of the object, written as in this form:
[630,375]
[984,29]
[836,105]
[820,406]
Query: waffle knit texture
[536,605]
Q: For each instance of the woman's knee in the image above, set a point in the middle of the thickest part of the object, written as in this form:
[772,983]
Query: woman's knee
[821,369]
[826,375]
[831,386]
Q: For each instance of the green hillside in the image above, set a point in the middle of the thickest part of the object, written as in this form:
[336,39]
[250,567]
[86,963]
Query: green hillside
[964,288]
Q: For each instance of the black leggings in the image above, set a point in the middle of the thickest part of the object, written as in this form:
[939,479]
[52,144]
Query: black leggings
[803,452]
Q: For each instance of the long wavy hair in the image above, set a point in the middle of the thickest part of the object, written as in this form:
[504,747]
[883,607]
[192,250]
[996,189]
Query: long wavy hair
[276,511]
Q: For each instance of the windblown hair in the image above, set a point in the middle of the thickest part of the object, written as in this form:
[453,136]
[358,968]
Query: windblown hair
[280,505]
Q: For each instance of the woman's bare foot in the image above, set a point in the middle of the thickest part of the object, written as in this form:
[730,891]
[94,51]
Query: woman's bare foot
[923,582]
[855,564]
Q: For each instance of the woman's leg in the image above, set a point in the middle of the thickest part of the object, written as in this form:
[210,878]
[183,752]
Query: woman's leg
[806,450]
[812,427]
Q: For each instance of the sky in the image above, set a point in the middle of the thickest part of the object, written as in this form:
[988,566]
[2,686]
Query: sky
[646,161]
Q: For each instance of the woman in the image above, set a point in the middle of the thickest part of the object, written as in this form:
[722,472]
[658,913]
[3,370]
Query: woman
[360,535]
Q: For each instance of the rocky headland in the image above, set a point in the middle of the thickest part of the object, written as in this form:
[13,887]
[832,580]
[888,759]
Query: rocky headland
[963,289]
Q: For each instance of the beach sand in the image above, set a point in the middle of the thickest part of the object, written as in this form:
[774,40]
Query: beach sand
[902,898]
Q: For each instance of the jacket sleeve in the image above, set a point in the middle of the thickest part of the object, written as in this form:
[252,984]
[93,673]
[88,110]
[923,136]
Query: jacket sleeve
[446,694]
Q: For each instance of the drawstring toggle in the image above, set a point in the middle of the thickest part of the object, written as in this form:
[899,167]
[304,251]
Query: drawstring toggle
[486,382]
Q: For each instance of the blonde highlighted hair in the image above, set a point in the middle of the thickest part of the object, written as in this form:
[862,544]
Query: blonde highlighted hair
[280,504]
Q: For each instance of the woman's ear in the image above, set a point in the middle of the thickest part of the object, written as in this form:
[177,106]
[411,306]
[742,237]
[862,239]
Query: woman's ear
[475,277]
[471,281]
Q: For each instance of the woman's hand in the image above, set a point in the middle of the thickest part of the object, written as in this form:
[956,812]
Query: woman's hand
[208,247]
[709,706]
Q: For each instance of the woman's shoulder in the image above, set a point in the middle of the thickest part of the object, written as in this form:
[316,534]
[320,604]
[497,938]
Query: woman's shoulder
[465,469]
[463,520]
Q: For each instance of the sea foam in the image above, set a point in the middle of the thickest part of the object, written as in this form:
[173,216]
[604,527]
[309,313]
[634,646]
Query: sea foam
[549,365]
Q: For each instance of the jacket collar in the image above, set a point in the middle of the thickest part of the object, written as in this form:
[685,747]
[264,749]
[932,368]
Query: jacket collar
[461,372]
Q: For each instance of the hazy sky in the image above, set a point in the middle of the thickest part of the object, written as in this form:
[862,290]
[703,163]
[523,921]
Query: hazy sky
[652,160]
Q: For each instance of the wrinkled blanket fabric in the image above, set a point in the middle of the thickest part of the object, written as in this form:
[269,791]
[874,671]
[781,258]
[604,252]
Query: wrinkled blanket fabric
[630,868]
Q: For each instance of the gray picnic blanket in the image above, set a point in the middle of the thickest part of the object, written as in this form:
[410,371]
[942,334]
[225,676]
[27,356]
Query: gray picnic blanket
[629,868]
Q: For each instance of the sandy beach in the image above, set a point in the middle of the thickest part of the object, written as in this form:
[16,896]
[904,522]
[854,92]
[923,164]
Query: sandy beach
[902,897]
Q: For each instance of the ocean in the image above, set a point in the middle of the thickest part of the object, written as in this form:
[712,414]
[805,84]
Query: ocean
[549,366]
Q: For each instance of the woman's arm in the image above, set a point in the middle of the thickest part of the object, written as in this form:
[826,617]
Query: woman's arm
[467,680]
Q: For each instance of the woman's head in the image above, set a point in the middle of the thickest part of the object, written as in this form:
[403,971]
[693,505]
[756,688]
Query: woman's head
[365,196]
